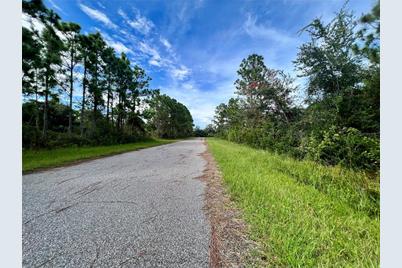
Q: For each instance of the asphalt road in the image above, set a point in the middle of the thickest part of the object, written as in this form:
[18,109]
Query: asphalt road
[138,209]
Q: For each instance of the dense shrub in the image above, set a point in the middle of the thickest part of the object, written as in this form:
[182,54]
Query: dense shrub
[31,137]
[346,146]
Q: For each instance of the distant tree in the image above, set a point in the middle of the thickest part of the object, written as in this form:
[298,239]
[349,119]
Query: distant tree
[327,59]
[52,46]
[71,57]
[199,132]
[266,91]
[210,130]
[31,65]
[367,109]
[84,48]
[228,116]
[370,35]
[168,118]
[110,59]
[139,88]
[114,91]
[234,112]
[221,118]
[96,65]
[124,83]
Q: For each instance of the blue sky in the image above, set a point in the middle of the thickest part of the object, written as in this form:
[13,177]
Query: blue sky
[192,49]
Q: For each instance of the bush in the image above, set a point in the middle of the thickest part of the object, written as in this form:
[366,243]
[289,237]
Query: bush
[59,139]
[346,146]
[268,136]
[31,137]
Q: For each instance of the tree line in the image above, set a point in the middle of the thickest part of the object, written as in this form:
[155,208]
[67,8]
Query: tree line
[116,103]
[339,120]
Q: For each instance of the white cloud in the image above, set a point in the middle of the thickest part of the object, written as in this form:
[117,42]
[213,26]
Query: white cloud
[122,13]
[155,59]
[155,62]
[260,31]
[101,5]
[119,47]
[56,6]
[166,43]
[147,49]
[140,23]
[180,72]
[97,15]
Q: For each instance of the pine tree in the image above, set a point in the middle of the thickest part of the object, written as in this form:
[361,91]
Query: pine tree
[110,59]
[266,91]
[51,62]
[124,82]
[84,52]
[96,68]
[31,65]
[71,58]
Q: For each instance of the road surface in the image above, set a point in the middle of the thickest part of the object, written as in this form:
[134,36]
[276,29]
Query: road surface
[138,209]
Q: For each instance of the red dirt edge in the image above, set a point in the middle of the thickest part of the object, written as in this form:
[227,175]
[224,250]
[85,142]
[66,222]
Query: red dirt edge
[230,245]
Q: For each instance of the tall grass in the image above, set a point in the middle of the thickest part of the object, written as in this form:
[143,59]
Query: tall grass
[45,158]
[303,214]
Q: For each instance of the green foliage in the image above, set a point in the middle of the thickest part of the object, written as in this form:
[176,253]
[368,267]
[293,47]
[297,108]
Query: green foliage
[276,137]
[198,132]
[266,91]
[348,147]
[339,123]
[31,61]
[169,118]
[370,35]
[327,59]
[302,213]
[71,58]
[208,131]
[114,92]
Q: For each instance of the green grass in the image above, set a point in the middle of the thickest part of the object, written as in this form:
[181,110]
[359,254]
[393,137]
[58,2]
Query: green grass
[302,213]
[39,159]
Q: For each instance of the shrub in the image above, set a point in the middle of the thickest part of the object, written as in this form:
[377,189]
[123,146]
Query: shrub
[346,146]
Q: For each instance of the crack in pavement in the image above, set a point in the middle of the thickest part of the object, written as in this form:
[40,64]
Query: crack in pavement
[137,201]
[96,257]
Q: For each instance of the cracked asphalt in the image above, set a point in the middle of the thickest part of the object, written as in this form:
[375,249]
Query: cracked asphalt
[137,209]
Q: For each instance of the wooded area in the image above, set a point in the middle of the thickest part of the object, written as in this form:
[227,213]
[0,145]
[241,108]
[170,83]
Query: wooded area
[339,119]
[116,103]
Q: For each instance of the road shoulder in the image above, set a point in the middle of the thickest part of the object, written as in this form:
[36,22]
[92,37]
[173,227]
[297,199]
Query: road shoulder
[230,245]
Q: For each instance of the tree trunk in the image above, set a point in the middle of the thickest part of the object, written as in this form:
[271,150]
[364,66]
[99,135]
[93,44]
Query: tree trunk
[45,108]
[95,96]
[95,109]
[107,105]
[119,113]
[83,99]
[36,102]
[108,98]
[70,112]
[111,108]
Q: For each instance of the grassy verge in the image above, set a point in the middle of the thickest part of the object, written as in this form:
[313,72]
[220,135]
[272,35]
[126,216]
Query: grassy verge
[303,214]
[39,159]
